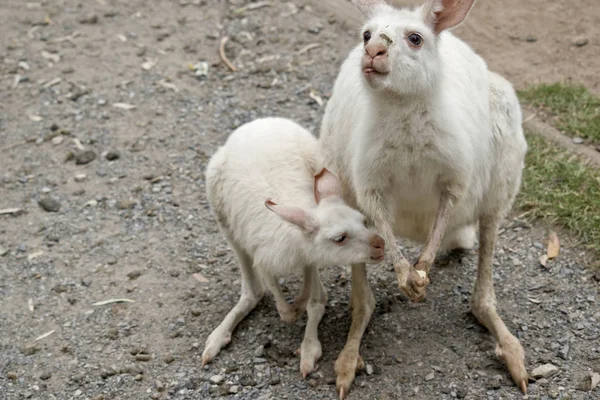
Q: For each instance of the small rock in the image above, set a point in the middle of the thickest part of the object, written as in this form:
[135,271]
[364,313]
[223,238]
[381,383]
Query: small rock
[56,140]
[126,204]
[98,397]
[101,172]
[49,204]
[530,39]
[89,19]
[275,380]
[260,351]
[107,373]
[564,352]
[143,357]
[577,140]
[544,371]
[3,251]
[580,41]
[174,273]
[495,382]
[12,375]
[233,389]
[429,377]
[159,386]
[595,380]
[60,288]
[246,380]
[196,312]
[168,358]
[112,333]
[133,275]
[216,379]
[369,369]
[85,157]
[80,177]
[113,155]
[138,377]
[45,375]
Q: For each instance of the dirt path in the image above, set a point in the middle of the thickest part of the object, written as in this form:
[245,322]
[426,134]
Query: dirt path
[138,227]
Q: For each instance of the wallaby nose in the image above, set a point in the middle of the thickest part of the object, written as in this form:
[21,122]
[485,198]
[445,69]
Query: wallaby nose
[375,50]
[377,242]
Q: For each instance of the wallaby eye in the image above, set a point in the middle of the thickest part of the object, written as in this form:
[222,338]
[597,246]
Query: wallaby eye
[367,36]
[341,239]
[415,39]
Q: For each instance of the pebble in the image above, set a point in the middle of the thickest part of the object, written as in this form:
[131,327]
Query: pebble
[85,157]
[580,41]
[133,275]
[168,358]
[275,380]
[3,251]
[159,386]
[530,39]
[56,140]
[89,19]
[260,351]
[369,369]
[577,140]
[98,397]
[143,357]
[233,389]
[45,375]
[138,377]
[196,312]
[495,382]
[564,352]
[246,380]
[80,177]
[113,155]
[544,371]
[12,375]
[49,204]
[216,379]
[429,377]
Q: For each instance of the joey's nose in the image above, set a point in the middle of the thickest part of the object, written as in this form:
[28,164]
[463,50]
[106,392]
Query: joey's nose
[375,50]
[377,242]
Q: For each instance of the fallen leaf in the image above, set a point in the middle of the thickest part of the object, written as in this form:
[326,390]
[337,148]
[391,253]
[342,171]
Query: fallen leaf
[35,255]
[313,95]
[111,301]
[149,64]
[54,57]
[553,245]
[45,335]
[200,278]
[543,260]
[124,106]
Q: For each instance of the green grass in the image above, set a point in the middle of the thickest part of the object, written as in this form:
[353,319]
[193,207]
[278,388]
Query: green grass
[559,189]
[575,110]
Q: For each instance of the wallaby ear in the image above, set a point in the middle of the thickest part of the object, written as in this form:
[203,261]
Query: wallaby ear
[367,6]
[445,14]
[326,185]
[295,215]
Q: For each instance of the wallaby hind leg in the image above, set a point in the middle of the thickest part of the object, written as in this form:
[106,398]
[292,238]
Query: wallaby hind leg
[252,293]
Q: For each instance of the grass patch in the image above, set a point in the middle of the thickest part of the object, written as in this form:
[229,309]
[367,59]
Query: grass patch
[561,190]
[575,110]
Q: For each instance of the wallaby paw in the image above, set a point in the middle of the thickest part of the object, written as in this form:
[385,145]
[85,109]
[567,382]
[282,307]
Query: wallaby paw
[215,342]
[310,353]
[511,352]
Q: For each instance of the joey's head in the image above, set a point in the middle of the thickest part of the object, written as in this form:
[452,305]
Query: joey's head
[401,52]
[337,234]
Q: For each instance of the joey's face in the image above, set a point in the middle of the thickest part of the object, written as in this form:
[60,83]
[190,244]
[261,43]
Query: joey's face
[343,236]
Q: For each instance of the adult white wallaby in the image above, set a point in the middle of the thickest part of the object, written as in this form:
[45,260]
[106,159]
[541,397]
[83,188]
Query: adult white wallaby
[427,143]
[282,214]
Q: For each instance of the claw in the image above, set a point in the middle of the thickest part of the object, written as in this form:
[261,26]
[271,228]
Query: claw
[523,387]
[342,394]
[204,362]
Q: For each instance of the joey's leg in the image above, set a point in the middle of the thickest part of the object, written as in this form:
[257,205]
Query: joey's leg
[362,303]
[310,351]
[411,283]
[252,292]
[483,303]
[435,236]
[288,312]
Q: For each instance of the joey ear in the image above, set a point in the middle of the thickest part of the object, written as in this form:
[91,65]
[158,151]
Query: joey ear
[445,14]
[326,185]
[295,215]
[367,6]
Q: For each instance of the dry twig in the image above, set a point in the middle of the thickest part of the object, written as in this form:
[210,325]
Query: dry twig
[223,56]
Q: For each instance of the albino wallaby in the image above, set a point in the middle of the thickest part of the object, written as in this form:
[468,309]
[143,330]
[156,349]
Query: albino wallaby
[427,143]
[282,214]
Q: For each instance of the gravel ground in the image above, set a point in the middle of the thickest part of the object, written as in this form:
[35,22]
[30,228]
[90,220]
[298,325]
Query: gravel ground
[113,207]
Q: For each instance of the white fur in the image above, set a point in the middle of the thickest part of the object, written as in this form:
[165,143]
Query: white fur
[439,121]
[276,159]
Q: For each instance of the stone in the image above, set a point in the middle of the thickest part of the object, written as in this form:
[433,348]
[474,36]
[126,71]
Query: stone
[45,375]
[580,41]
[216,379]
[429,377]
[113,155]
[577,140]
[544,371]
[85,157]
[49,204]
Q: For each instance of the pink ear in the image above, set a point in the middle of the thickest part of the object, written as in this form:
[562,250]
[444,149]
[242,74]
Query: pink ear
[326,185]
[445,14]
[295,215]
[367,6]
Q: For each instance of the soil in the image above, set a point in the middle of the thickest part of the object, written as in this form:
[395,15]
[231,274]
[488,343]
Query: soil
[137,226]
